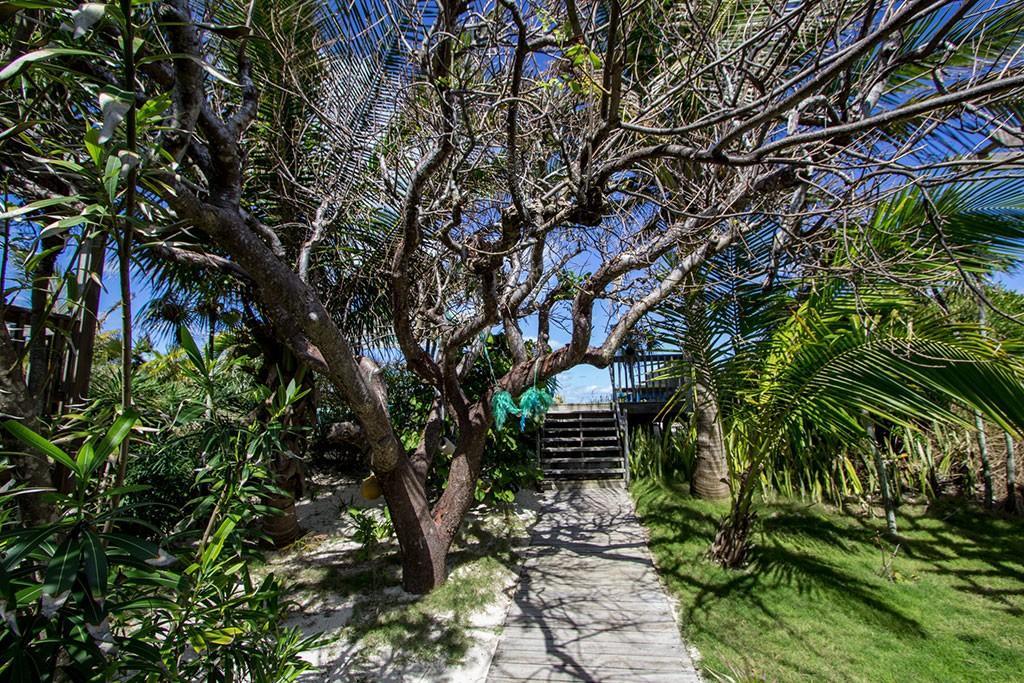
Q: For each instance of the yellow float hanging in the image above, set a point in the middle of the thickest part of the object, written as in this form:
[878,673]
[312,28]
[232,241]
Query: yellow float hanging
[370,488]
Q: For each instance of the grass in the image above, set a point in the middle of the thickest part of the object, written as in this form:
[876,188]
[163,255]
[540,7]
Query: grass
[435,627]
[827,598]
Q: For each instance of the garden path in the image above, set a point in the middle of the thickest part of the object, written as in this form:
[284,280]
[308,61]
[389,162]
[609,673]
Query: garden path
[589,605]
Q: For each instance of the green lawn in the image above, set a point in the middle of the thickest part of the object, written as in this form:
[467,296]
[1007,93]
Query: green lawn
[817,605]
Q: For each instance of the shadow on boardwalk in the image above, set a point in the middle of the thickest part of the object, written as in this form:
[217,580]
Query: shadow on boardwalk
[589,605]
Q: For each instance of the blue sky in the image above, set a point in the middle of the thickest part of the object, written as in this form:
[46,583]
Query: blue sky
[582,383]
[586,383]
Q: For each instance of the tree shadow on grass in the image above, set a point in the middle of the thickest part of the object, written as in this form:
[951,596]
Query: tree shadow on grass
[791,553]
[983,550]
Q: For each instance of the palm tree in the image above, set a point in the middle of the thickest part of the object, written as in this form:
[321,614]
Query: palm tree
[797,368]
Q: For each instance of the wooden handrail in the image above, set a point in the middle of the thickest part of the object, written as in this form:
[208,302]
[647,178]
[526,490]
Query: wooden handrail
[634,377]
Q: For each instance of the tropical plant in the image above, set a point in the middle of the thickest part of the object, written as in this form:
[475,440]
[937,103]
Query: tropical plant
[370,527]
[667,456]
[113,605]
[528,169]
[841,363]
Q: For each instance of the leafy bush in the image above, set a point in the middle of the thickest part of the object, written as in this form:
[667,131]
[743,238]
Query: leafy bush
[510,464]
[112,605]
[103,594]
[671,455]
[166,478]
[371,526]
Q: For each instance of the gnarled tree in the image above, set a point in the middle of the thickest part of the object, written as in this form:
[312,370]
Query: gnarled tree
[540,161]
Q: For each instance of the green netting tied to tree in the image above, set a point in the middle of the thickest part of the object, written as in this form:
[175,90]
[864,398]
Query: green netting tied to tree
[533,403]
[503,405]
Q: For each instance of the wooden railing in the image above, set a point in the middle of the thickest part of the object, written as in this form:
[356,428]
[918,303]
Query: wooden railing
[637,377]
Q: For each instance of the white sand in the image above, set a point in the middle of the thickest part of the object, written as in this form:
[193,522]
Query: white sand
[318,611]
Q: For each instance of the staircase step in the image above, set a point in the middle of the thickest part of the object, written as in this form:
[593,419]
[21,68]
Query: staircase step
[611,448]
[583,459]
[580,446]
[587,430]
[585,474]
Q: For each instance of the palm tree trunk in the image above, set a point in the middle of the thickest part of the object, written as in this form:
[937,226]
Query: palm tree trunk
[883,482]
[711,471]
[280,368]
[90,276]
[39,376]
[731,547]
[986,464]
[1012,500]
[30,469]
[124,251]
[710,479]
[283,528]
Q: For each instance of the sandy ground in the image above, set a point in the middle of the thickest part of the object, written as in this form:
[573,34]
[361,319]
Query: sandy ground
[328,550]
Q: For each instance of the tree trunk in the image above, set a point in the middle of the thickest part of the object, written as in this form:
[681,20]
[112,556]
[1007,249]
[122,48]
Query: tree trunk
[710,479]
[90,276]
[30,469]
[279,368]
[39,376]
[283,529]
[711,472]
[883,482]
[424,552]
[731,547]
[986,464]
[1012,500]
[426,535]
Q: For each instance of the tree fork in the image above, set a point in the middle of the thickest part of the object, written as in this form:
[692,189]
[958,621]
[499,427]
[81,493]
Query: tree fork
[424,551]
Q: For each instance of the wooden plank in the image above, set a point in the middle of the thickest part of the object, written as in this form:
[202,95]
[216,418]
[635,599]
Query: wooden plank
[589,605]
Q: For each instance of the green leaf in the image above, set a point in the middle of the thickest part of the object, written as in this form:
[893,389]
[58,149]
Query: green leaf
[145,604]
[192,350]
[29,540]
[111,174]
[35,206]
[135,548]
[95,562]
[153,108]
[63,567]
[93,146]
[30,438]
[212,551]
[61,226]
[121,428]
[86,459]
[15,67]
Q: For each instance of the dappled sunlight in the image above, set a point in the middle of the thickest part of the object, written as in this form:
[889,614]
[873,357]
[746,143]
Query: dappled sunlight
[815,602]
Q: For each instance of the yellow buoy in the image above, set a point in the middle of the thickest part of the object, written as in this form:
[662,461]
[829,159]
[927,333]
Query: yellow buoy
[370,489]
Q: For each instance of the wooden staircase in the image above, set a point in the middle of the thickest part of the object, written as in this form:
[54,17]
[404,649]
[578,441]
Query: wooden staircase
[581,444]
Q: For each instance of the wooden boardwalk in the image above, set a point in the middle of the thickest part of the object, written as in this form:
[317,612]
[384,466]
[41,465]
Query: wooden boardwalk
[589,606]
